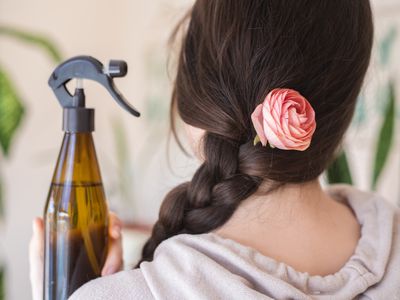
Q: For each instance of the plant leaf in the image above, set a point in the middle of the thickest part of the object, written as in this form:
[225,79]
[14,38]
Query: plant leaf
[2,284]
[256,140]
[385,138]
[11,112]
[339,171]
[35,39]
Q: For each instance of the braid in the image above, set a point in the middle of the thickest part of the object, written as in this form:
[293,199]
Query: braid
[208,200]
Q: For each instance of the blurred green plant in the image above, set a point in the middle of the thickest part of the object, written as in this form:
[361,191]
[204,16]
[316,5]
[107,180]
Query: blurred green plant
[11,112]
[385,138]
[35,39]
[12,109]
[386,45]
[11,105]
[2,288]
[339,170]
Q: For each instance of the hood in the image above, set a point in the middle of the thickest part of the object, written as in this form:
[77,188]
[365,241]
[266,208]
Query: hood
[207,266]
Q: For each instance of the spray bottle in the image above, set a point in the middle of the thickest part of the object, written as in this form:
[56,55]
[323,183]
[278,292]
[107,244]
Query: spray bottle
[76,211]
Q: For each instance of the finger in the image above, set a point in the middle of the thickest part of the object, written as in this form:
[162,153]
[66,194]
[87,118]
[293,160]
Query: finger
[36,258]
[115,225]
[114,261]
[36,243]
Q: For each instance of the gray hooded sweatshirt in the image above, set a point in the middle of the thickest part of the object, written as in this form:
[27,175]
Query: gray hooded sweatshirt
[207,266]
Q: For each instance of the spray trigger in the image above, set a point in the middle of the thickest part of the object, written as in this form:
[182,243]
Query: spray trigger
[87,67]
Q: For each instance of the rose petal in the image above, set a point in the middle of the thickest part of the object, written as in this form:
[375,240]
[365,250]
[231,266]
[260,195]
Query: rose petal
[257,119]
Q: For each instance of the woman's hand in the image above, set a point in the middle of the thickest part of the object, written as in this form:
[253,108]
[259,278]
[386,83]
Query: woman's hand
[113,264]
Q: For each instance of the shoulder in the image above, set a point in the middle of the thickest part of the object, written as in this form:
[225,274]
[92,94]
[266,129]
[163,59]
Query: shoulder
[390,284]
[380,220]
[128,284]
[181,264]
[365,202]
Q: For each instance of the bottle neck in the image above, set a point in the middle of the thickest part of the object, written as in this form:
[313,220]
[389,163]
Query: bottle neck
[77,162]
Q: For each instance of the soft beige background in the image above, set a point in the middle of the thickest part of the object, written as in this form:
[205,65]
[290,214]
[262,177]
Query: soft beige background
[135,31]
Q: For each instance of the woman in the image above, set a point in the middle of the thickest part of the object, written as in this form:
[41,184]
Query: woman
[267,89]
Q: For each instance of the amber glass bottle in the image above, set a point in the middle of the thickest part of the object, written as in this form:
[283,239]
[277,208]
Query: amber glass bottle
[76,213]
[76,219]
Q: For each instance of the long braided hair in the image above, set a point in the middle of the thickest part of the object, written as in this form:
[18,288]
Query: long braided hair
[233,53]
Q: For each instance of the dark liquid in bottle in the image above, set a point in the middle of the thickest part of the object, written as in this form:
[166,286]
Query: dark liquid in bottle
[76,237]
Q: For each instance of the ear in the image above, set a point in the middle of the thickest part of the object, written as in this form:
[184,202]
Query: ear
[194,136]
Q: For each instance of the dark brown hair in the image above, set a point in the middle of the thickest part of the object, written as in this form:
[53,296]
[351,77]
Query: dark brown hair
[233,53]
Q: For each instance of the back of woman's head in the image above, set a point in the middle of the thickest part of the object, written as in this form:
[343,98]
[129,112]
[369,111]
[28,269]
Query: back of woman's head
[233,54]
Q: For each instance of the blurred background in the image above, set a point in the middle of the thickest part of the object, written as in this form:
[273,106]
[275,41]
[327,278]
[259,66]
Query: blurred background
[137,172]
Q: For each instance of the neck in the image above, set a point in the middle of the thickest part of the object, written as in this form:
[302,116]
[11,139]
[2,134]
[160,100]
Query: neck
[300,225]
[293,205]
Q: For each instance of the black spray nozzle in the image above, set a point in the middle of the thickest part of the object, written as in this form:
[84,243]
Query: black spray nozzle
[117,68]
[87,67]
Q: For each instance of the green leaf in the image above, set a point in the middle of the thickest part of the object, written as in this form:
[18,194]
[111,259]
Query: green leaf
[339,171]
[2,284]
[385,138]
[11,112]
[256,140]
[35,39]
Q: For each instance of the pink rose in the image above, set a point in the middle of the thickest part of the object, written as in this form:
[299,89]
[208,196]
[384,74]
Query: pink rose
[285,120]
